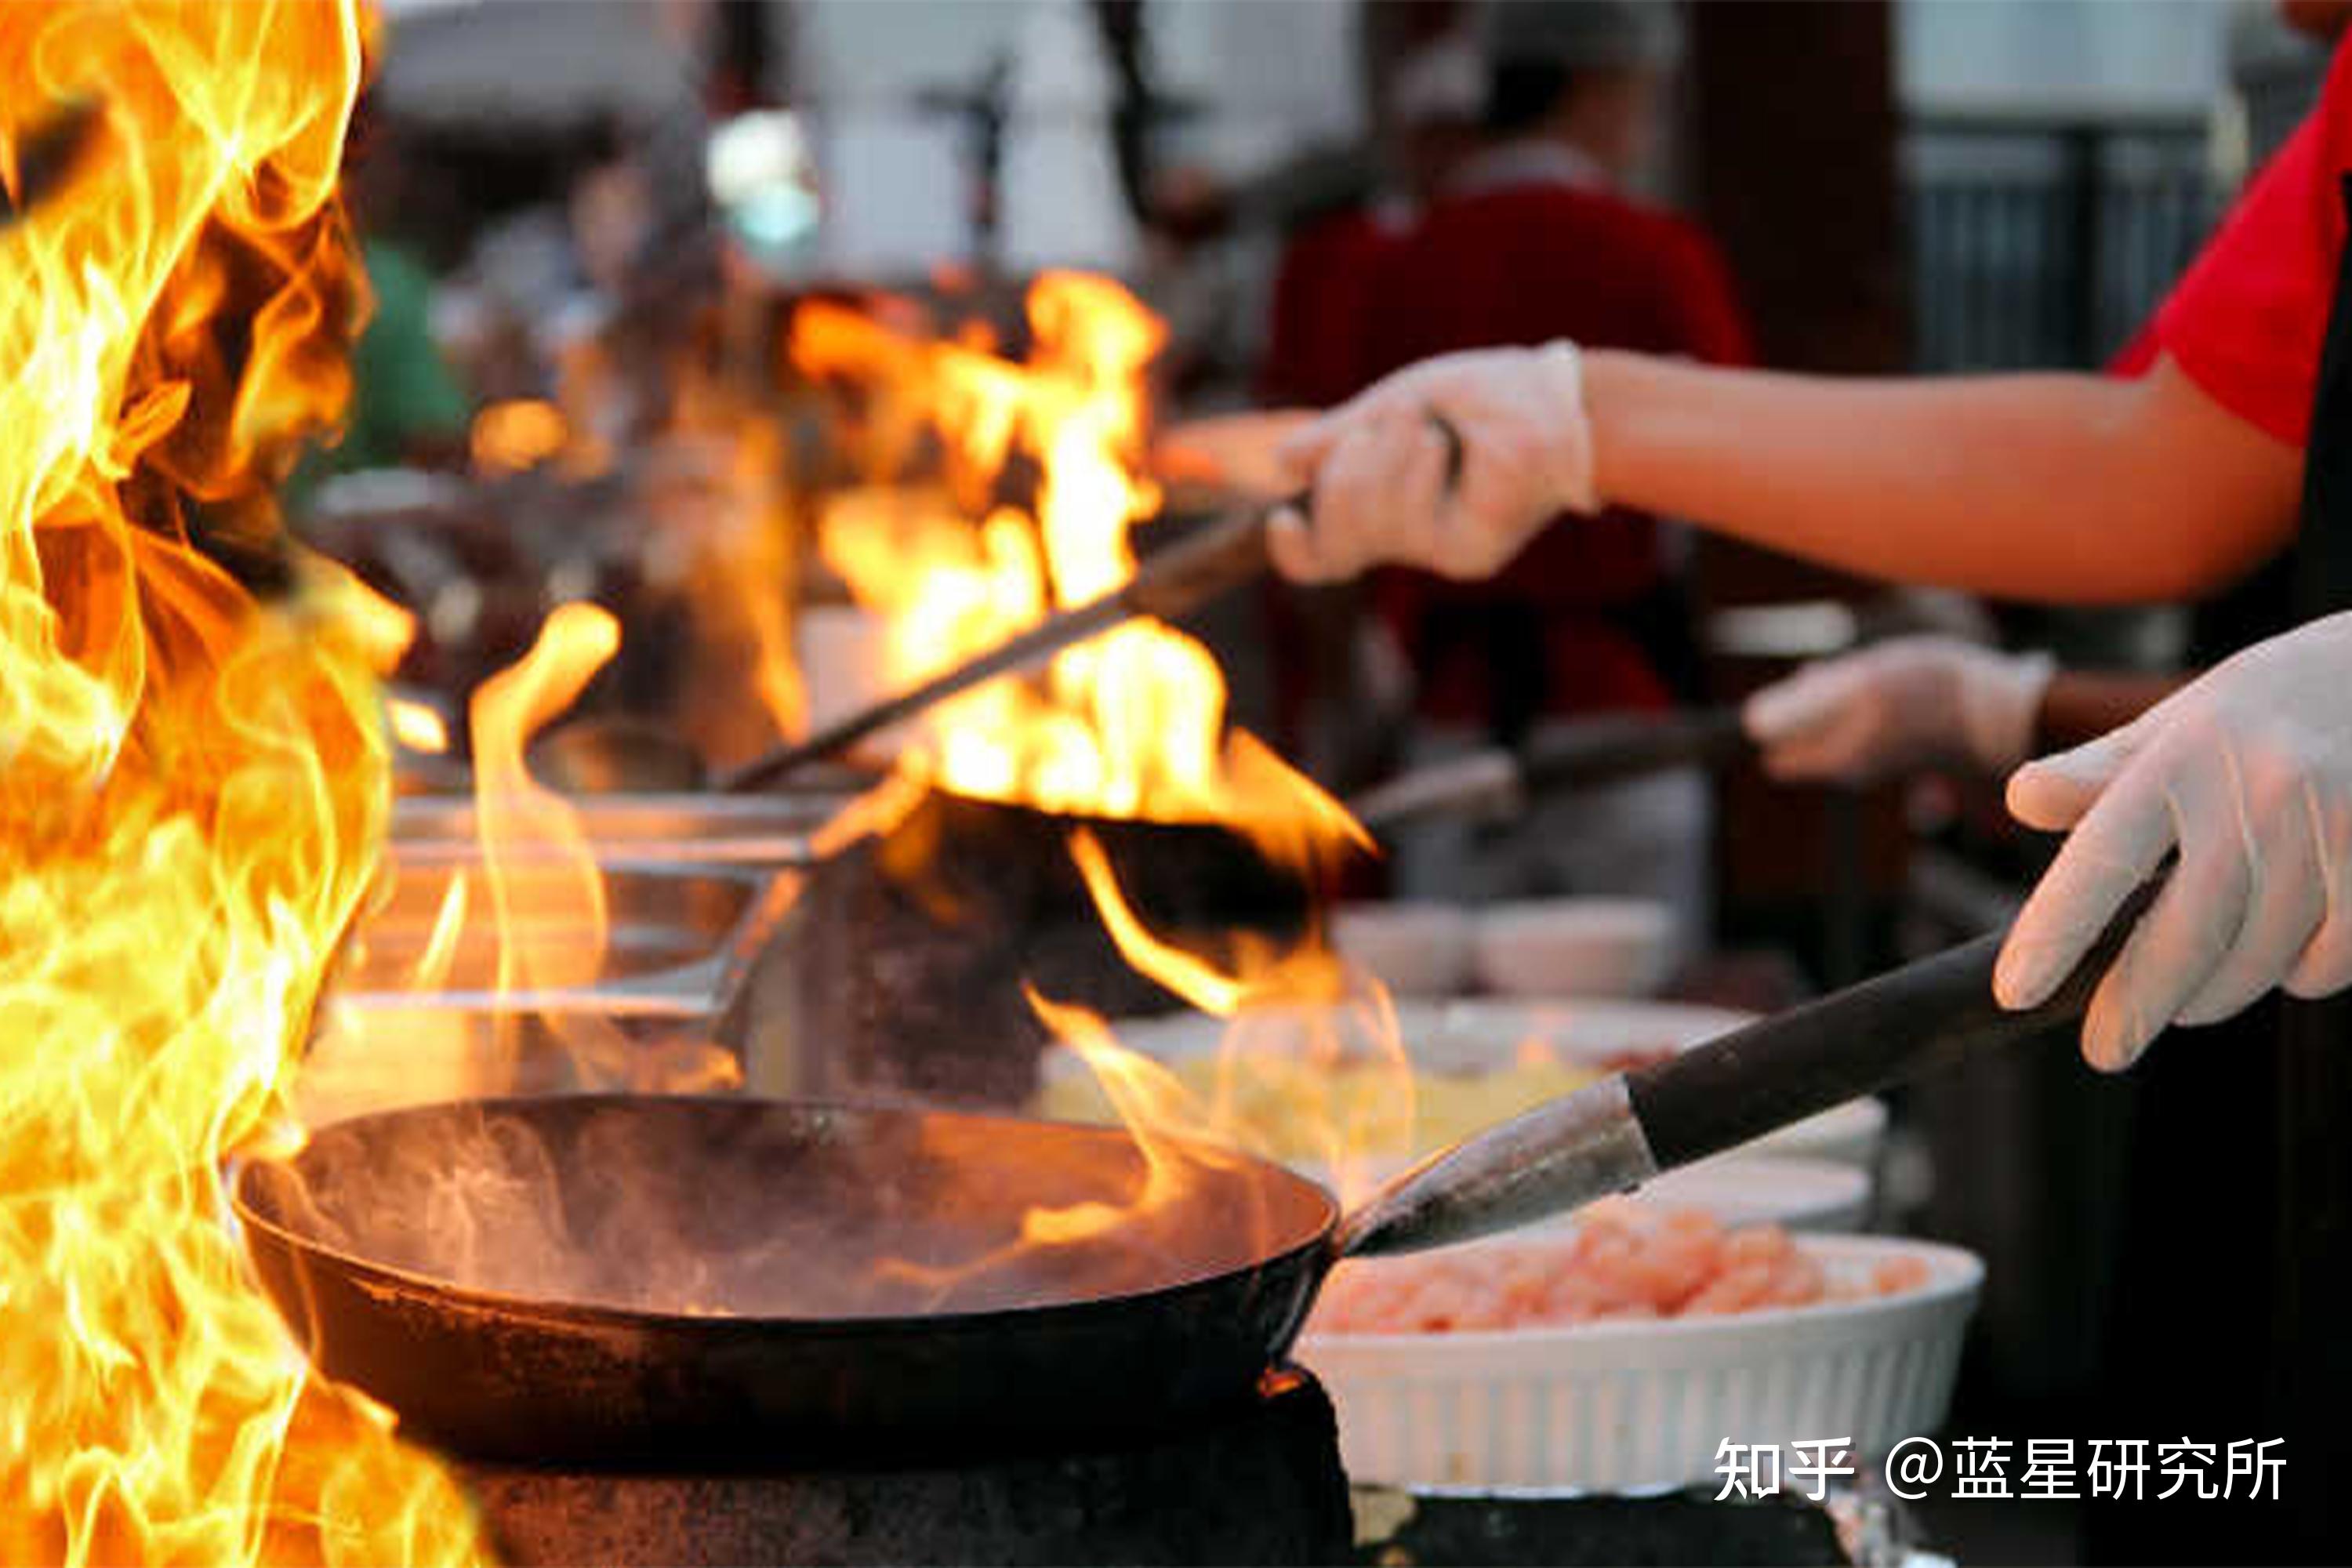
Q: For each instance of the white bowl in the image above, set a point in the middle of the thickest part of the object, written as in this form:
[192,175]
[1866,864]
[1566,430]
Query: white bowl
[1575,947]
[1641,1406]
[1765,1189]
[1413,947]
[1849,1135]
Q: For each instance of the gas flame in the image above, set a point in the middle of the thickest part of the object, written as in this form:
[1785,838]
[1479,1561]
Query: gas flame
[1294,1019]
[547,886]
[522,933]
[516,436]
[1038,491]
[712,486]
[1174,1132]
[536,853]
[196,788]
[723,543]
[1131,723]
[417,726]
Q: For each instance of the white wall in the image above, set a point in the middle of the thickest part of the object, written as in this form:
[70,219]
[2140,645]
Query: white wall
[1272,73]
[2134,54]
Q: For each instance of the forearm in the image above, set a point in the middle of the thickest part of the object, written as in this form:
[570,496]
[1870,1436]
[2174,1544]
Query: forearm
[2062,488]
[2079,706]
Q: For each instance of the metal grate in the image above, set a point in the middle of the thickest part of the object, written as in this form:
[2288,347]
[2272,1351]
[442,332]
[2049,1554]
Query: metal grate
[2046,241]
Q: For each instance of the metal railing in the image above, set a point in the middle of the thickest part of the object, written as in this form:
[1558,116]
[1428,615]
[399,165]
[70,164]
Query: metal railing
[2046,238]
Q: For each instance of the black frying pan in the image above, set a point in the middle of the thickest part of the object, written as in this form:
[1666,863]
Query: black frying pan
[533,1349]
[400,1247]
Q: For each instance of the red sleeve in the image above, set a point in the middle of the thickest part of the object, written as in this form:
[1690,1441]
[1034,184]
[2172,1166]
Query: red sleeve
[2246,321]
[2136,358]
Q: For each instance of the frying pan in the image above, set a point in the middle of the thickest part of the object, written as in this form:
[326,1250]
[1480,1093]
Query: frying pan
[403,1249]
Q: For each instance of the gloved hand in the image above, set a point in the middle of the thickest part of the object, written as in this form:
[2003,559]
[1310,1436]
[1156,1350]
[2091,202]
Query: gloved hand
[2248,774]
[1379,467]
[1898,705]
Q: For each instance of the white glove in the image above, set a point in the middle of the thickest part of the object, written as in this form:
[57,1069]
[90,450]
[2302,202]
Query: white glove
[1378,466]
[1898,705]
[2248,774]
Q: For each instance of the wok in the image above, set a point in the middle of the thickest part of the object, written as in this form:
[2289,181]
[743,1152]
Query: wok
[606,1280]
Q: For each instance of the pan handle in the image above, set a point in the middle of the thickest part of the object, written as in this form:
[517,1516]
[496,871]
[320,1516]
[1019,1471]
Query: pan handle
[1603,751]
[1621,1132]
[1497,781]
[1899,1026]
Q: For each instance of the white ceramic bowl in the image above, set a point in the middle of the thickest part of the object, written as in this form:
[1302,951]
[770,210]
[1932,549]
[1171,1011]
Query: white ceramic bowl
[1849,1135]
[1575,947]
[1642,1406]
[1767,1189]
[1414,948]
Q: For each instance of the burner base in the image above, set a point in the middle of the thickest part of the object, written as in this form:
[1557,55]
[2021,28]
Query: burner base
[1263,1487]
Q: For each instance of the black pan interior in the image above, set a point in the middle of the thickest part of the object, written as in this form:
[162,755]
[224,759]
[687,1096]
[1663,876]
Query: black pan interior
[749,1209]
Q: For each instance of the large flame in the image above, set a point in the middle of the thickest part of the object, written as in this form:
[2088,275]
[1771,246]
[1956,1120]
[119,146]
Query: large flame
[723,545]
[1040,487]
[195,790]
[1131,723]
[1311,1060]
[535,852]
[493,992]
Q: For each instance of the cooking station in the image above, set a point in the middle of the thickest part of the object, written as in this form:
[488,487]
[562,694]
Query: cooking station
[882,966]
[1262,1484]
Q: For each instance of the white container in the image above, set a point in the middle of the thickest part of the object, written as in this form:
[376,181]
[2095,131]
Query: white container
[1849,1135]
[1575,947]
[1765,1189]
[1413,947]
[1644,1406]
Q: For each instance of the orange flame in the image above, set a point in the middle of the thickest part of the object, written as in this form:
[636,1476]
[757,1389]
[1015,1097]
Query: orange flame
[719,539]
[417,726]
[524,964]
[196,789]
[537,852]
[516,436]
[1312,1064]
[1175,1135]
[1131,723]
[725,546]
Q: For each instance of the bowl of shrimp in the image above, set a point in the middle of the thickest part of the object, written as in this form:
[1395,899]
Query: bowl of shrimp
[1617,1354]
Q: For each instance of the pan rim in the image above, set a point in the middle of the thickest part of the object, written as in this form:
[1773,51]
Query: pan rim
[242,1169]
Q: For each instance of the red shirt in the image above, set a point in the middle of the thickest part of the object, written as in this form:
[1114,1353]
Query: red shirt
[2246,321]
[1525,263]
[1314,349]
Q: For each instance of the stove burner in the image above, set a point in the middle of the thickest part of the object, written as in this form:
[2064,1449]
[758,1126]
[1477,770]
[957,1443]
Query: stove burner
[1263,1485]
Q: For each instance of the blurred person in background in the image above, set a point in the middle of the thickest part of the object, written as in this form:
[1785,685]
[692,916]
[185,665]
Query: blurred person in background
[1531,237]
[1340,693]
[1430,103]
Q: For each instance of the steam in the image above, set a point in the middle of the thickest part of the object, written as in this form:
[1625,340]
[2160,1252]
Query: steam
[722,1207]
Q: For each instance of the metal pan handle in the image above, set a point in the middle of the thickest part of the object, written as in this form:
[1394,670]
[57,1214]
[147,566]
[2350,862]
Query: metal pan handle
[1621,1132]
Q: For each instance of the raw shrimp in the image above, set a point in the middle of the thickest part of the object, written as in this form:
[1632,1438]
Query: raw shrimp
[1623,1262]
